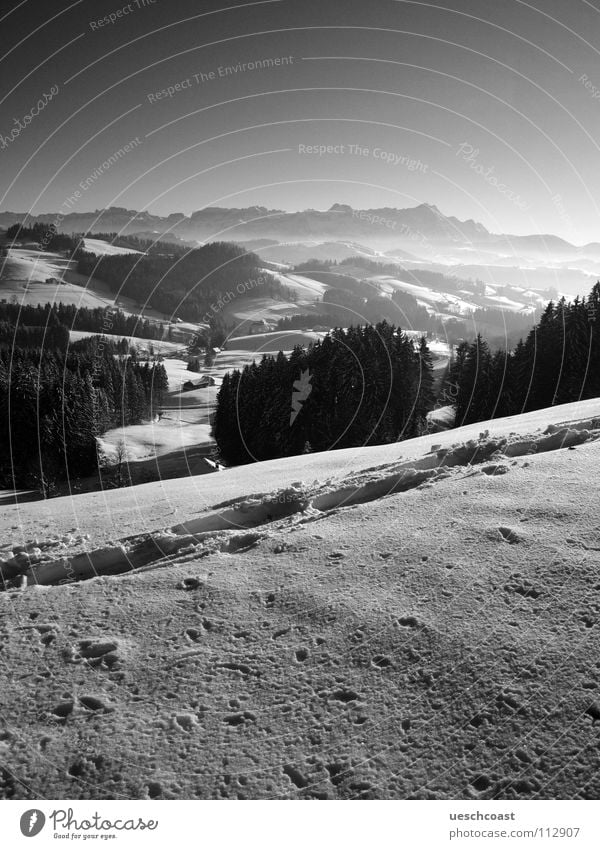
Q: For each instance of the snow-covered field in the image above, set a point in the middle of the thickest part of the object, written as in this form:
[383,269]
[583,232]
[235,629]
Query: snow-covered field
[102,248]
[24,272]
[174,445]
[306,288]
[246,308]
[23,276]
[158,346]
[242,311]
[268,476]
[278,340]
[536,275]
[177,430]
[184,424]
[416,620]
[464,302]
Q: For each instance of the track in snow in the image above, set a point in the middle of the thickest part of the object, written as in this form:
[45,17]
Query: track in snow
[228,527]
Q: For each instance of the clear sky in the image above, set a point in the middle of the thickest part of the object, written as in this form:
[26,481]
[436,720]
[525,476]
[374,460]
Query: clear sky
[489,109]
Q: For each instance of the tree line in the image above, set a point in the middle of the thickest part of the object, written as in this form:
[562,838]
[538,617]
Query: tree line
[172,246]
[54,337]
[558,362]
[94,320]
[46,235]
[361,386]
[54,404]
[190,286]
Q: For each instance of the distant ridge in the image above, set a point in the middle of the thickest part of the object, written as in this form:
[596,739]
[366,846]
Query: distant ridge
[422,229]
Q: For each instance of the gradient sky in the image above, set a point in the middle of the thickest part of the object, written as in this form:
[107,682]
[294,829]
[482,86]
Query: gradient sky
[408,79]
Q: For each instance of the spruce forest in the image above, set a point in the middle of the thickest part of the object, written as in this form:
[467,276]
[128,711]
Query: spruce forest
[54,404]
[363,386]
[558,362]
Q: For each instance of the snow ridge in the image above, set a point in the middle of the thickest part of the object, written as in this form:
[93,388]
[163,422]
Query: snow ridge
[227,528]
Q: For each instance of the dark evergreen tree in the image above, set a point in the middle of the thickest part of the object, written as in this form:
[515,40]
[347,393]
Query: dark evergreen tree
[426,396]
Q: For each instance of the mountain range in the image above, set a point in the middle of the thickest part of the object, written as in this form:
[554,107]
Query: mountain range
[423,230]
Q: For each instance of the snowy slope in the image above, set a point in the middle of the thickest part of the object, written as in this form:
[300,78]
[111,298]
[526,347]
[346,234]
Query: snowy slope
[521,301]
[23,275]
[100,247]
[159,347]
[411,620]
[278,340]
[145,508]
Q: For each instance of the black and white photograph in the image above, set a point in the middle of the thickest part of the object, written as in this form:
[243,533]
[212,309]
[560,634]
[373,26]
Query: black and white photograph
[300,421]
